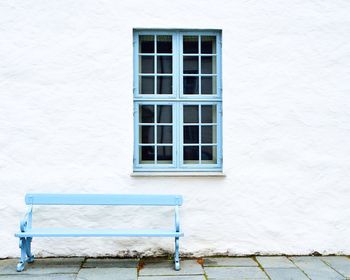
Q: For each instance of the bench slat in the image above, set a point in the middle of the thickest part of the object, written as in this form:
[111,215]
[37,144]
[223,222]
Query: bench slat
[102,199]
[83,232]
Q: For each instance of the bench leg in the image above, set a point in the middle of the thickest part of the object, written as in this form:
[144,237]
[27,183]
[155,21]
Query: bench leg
[22,262]
[30,257]
[177,254]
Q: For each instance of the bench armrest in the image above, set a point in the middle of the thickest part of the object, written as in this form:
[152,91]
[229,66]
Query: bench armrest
[27,220]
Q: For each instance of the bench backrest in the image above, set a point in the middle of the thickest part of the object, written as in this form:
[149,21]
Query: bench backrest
[102,199]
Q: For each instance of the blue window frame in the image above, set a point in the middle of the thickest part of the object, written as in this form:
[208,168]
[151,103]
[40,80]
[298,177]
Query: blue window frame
[177,100]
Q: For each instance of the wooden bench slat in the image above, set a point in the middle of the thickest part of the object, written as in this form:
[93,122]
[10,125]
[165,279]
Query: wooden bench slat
[83,232]
[102,199]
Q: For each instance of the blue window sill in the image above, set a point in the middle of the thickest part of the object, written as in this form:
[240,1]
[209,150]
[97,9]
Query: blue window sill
[178,174]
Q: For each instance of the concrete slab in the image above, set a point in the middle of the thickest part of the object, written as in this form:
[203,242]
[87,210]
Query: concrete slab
[285,274]
[110,262]
[339,263]
[108,273]
[44,266]
[166,268]
[233,273]
[215,262]
[37,277]
[180,277]
[315,268]
[275,262]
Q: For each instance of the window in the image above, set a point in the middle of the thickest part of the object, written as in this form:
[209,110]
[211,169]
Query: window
[177,100]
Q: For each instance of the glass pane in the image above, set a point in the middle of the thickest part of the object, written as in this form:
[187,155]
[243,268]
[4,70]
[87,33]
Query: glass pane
[164,44]
[191,134]
[164,64]
[164,114]
[208,113]
[190,44]
[191,114]
[147,64]
[164,134]
[208,65]
[191,85]
[165,154]
[208,134]
[146,44]
[191,153]
[208,44]
[208,85]
[147,154]
[191,65]
[147,114]
[147,85]
[147,134]
[164,85]
[208,154]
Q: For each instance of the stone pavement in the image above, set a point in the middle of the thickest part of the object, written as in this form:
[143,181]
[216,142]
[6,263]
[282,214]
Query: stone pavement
[260,267]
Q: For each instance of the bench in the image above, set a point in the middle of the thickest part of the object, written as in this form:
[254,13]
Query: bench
[27,232]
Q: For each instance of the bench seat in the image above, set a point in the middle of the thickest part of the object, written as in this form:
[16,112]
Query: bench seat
[85,232]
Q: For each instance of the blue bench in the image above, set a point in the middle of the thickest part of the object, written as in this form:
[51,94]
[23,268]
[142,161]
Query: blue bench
[27,232]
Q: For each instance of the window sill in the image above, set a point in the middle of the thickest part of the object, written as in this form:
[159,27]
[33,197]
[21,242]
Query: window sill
[178,174]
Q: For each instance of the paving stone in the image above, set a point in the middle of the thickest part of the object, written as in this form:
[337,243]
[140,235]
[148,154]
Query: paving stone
[108,273]
[110,262]
[208,262]
[286,274]
[275,262]
[315,268]
[166,268]
[339,263]
[38,277]
[45,266]
[233,273]
[180,277]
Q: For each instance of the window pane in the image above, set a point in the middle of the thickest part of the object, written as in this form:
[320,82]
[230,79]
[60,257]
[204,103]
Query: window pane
[164,85]
[164,134]
[191,153]
[191,114]
[208,134]
[208,44]
[146,44]
[165,154]
[147,85]
[164,64]
[191,134]
[208,113]
[164,114]
[190,44]
[208,154]
[164,44]
[147,114]
[191,85]
[208,65]
[191,65]
[208,85]
[147,154]
[147,64]
[147,134]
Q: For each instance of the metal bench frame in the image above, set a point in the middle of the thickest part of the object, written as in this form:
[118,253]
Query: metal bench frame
[27,233]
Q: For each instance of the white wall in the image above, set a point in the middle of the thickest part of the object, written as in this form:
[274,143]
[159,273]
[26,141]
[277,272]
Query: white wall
[66,125]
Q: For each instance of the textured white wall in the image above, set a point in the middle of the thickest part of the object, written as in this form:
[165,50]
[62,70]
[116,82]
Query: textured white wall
[66,125]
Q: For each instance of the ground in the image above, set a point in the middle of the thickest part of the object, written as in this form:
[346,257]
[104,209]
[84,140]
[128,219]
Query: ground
[260,267]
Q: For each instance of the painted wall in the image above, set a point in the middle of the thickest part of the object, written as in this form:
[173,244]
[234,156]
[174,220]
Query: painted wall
[66,125]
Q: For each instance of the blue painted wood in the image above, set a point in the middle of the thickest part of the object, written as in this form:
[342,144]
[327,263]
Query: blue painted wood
[178,99]
[102,199]
[84,232]
[27,233]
